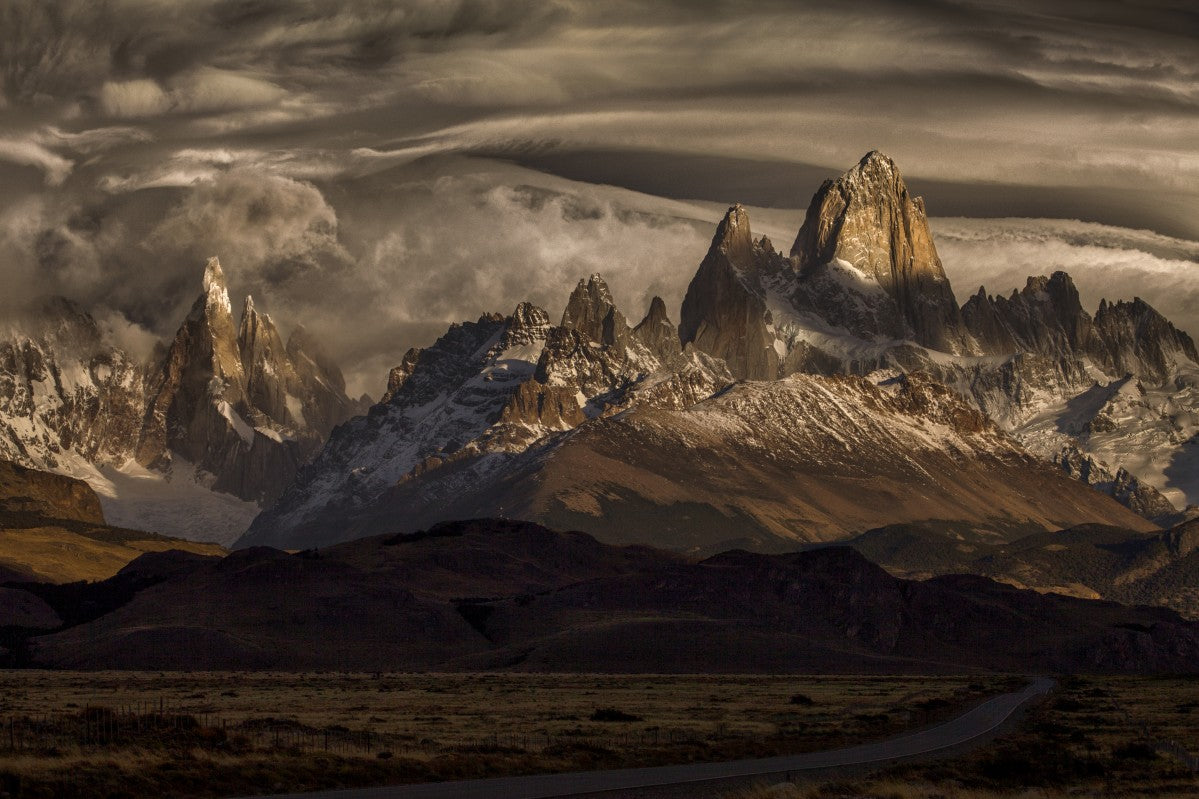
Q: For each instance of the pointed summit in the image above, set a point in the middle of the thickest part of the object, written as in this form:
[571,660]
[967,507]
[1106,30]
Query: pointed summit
[657,332]
[733,237]
[214,276]
[591,311]
[875,162]
[868,219]
[199,384]
[723,312]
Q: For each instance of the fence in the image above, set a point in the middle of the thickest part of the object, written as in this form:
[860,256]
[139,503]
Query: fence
[148,724]
[1170,747]
[1181,752]
[157,724]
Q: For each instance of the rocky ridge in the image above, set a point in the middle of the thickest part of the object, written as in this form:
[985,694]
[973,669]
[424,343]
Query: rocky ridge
[762,465]
[488,390]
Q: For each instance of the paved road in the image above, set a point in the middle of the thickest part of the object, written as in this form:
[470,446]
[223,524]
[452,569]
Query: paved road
[963,729]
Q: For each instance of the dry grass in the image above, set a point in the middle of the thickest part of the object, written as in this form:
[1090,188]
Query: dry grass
[1096,737]
[445,726]
[57,555]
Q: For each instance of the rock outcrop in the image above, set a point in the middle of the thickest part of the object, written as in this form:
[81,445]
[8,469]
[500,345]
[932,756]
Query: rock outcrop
[34,493]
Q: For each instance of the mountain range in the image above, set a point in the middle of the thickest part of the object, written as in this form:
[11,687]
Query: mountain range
[828,464]
[794,383]
[806,396]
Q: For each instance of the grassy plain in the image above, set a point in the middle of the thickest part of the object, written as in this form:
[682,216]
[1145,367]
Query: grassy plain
[220,734]
[54,553]
[1095,737]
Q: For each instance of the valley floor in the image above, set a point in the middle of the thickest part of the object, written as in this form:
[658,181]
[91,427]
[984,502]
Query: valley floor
[135,734]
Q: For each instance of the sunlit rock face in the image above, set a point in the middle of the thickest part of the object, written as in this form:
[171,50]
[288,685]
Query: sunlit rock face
[236,401]
[867,219]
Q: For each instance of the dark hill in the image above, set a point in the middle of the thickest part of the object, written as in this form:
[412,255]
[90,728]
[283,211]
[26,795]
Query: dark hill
[1088,561]
[562,601]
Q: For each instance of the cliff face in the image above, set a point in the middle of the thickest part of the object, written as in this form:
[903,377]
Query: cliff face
[724,311]
[236,401]
[867,219]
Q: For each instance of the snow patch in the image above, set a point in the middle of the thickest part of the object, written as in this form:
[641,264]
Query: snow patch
[243,429]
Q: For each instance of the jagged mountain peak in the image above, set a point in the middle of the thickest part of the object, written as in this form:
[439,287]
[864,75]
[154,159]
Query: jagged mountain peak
[1047,317]
[214,276]
[590,295]
[874,165]
[733,236]
[656,313]
[657,332]
[592,311]
[1058,283]
[527,325]
[215,298]
[238,403]
[724,312]
[867,219]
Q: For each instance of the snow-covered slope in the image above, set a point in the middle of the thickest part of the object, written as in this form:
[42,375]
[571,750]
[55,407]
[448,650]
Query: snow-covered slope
[483,391]
[66,393]
[761,465]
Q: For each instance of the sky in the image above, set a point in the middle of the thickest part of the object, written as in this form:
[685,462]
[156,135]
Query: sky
[376,169]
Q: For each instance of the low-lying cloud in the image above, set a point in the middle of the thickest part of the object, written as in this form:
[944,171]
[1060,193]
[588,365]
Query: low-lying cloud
[1106,262]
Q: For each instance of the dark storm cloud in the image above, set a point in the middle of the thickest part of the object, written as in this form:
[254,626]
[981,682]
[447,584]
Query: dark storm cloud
[137,136]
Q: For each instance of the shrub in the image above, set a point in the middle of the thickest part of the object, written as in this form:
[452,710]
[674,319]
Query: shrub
[1026,764]
[612,714]
[1135,750]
